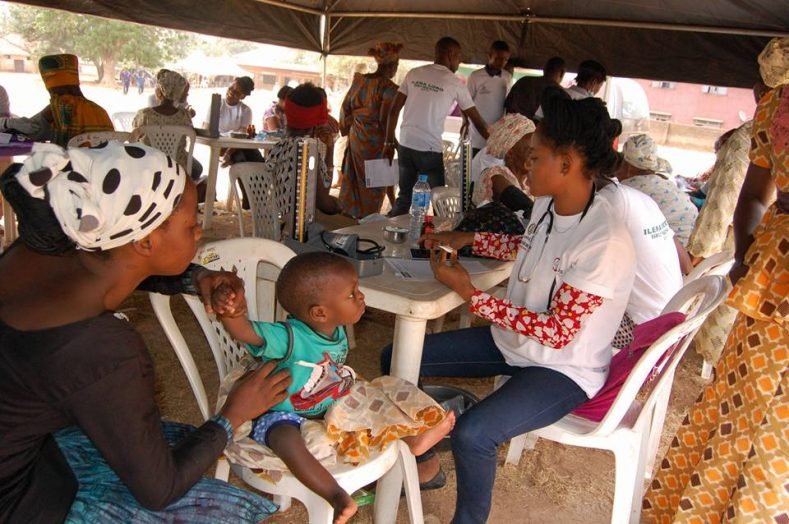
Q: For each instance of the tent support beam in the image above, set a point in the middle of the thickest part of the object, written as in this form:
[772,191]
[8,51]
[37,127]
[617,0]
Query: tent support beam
[286,5]
[577,21]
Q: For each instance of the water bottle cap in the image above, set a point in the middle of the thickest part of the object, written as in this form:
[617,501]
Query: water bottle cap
[422,178]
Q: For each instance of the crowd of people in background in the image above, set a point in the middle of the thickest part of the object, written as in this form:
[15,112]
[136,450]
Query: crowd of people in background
[608,237]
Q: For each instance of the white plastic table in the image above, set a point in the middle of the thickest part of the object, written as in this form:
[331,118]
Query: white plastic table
[216,144]
[413,303]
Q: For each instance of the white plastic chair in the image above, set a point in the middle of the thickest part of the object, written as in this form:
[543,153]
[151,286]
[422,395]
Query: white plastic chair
[167,139]
[446,201]
[452,173]
[257,262]
[263,193]
[96,138]
[631,429]
[717,264]
[123,120]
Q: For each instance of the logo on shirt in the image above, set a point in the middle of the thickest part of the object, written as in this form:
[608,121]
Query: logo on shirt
[658,231]
[424,86]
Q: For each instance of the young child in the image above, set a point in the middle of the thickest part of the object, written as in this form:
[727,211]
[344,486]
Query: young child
[321,292]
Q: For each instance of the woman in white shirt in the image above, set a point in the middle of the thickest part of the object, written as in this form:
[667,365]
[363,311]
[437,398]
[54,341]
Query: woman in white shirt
[573,273]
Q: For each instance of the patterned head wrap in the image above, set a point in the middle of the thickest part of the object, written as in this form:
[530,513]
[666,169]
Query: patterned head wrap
[774,62]
[641,151]
[59,70]
[385,52]
[664,166]
[507,132]
[107,196]
[171,84]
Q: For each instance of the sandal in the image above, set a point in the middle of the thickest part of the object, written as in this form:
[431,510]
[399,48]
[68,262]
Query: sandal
[437,482]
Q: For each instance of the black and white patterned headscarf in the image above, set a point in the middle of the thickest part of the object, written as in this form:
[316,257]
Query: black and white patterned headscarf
[107,196]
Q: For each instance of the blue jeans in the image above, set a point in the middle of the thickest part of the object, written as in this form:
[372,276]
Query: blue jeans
[534,397]
[413,163]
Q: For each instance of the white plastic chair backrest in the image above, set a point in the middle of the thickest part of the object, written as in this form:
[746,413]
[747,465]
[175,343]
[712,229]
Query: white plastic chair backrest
[697,300]
[263,193]
[123,120]
[446,201]
[96,138]
[717,264]
[257,262]
[167,139]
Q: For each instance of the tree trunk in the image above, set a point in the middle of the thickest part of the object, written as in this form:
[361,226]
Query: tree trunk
[107,71]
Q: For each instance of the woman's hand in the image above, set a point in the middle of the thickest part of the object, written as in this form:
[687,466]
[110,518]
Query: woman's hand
[230,302]
[454,239]
[389,150]
[452,274]
[256,393]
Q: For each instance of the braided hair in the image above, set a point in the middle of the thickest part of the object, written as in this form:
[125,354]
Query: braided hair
[583,125]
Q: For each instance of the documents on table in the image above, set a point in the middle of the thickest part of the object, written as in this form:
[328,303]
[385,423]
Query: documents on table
[409,269]
[378,173]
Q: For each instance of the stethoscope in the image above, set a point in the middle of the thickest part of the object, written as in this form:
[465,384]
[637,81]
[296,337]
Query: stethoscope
[548,229]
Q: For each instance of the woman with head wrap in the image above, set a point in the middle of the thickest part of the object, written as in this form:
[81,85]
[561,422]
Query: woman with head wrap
[728,461]
[170,87]
[69,113]
[80,435]
[509,140]
[362,118]
[640,171]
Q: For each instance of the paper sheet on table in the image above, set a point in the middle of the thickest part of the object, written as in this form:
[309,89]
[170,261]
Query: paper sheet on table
[420,269]
[378,173]
[5,139]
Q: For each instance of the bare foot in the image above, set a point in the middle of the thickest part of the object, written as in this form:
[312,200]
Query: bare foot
[344,507]
[419,444]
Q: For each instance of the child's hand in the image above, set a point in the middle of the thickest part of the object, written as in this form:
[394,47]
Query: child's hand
[230,302]
[226,303]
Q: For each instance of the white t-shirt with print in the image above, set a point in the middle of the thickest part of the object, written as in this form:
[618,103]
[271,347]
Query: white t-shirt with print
[658,275]
[594,255]
[431,90]
[232,118]
[488,93]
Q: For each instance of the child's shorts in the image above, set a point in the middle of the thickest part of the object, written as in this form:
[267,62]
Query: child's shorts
[267,421]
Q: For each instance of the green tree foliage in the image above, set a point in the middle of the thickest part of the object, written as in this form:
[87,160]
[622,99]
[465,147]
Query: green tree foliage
[105,43]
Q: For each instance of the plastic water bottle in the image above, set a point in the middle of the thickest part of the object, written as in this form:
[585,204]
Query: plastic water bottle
[420,203]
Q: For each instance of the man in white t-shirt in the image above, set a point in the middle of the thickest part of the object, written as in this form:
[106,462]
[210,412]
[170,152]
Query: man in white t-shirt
[488,88]
[427,94]
[658,274]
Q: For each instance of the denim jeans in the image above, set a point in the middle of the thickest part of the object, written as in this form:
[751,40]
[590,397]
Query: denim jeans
[534,397]
[413,163]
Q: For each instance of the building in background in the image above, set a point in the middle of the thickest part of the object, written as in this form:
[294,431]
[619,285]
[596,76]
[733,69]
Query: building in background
[14,56]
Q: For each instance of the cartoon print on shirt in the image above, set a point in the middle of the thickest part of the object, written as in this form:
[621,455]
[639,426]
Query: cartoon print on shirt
[329,380]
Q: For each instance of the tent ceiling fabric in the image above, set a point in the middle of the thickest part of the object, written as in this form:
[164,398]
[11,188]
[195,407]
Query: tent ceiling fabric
[701,41]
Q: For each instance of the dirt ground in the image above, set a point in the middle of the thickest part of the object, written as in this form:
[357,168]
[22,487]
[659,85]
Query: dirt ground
[552,483]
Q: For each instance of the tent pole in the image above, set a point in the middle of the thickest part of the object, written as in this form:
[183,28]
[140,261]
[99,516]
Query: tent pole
[325,44]
[291,7]
[578,21]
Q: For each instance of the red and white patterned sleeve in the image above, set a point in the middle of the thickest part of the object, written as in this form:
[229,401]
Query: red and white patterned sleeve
[554,328]
[496,245]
